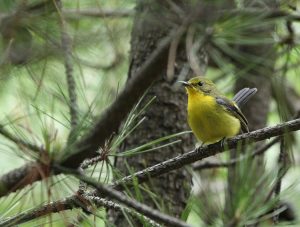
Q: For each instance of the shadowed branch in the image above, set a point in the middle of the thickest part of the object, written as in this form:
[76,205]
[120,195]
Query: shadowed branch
[96,13]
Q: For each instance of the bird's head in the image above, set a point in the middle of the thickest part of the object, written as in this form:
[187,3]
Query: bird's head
[199,84]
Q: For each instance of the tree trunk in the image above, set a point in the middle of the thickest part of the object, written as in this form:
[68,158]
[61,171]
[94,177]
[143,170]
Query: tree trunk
[165,116]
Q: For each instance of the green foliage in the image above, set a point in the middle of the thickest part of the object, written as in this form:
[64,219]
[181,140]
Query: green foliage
[35,106]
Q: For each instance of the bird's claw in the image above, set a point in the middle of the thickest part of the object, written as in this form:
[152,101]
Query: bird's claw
[222,142]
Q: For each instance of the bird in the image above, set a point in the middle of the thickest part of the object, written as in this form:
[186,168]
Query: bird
[211,116]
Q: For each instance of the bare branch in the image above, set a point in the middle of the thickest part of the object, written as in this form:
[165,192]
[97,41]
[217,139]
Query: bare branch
[283,167]
[23,176]
[9,182]
[69,203]
[270,14]
[73,201]
[100,202]
[207,151]
[102,13]
[53,207]
[210,165]
[66,44]
[20,142]
[120,197]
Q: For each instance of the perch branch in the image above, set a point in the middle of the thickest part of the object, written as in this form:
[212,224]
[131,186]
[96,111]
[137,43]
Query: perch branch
[207,151]
[181,160]
[210,165]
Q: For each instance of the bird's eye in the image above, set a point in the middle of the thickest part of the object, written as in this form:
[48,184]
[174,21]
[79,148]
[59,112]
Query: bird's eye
[200,83]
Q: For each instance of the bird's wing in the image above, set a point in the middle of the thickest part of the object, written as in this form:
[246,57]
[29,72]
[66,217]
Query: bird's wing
[234,110]
[243,96]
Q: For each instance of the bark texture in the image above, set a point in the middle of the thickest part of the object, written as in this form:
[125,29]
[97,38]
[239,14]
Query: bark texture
[165,116]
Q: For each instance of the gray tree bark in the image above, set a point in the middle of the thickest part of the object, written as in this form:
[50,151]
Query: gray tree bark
[165,116]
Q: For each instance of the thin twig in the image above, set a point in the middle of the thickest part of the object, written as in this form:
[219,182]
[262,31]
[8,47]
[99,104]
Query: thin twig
[191,52]
[118,59]
[79,219]
[269,14]
[172,57]
[20,142]
[101,202]
[66,204]
[120,197]
[103,13]
[88,162]
[53,207]
[66,44]
[282,162]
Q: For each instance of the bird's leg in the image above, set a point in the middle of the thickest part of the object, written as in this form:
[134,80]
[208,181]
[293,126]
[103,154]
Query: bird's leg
[199,145]
[222,142]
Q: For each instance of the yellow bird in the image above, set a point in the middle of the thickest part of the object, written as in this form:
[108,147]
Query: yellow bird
[211,116]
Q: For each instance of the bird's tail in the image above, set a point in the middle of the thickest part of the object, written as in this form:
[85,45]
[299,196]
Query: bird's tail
[244,95]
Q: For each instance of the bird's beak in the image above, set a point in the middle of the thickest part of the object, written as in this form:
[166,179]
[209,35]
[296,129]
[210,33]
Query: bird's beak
[186,84]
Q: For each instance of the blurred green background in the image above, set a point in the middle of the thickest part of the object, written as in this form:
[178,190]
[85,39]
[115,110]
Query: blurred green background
[34,103]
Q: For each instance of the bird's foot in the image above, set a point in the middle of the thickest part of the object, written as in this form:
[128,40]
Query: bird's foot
[200,145]
[222,142]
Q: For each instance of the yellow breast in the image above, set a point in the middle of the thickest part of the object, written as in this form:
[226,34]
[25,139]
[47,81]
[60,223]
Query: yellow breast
[209,121]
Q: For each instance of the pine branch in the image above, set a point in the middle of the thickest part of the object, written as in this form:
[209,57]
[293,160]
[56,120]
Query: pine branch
[110,120]
[73,201]
[178,162]
[107,124]
[100,202]
[53,207]
[69,203]
[211,165]
[66,45]
[132,203]
[207,151]
[10,183]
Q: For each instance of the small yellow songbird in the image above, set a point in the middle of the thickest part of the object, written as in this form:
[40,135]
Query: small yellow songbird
[211,116]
